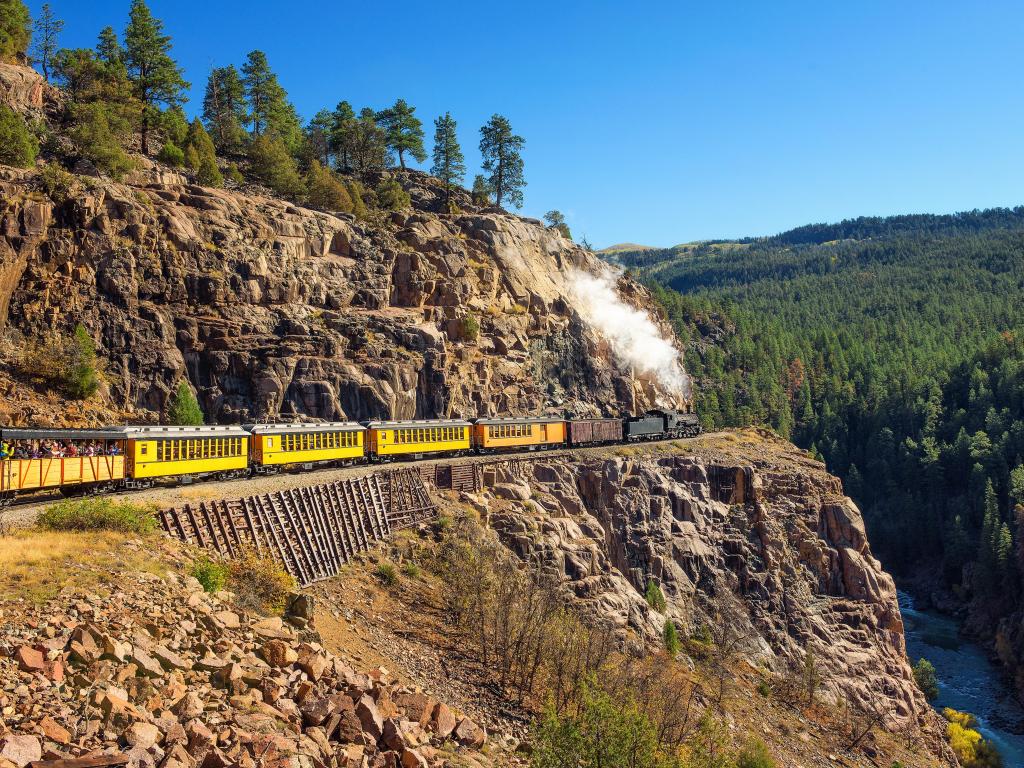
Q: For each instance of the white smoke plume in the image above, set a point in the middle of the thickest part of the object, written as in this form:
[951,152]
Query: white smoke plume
[634,337]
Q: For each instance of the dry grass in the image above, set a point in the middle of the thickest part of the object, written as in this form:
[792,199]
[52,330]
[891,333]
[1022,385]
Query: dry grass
[36,565]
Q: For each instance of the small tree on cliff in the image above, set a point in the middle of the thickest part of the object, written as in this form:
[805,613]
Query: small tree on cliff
[184,410]
[481,190]
[47,28]
[81,378]
[156,77]
[15,29]
[556,220]
[224,108]
[924,676]
[449,164]
[403,130]
[501,149]
[18,147]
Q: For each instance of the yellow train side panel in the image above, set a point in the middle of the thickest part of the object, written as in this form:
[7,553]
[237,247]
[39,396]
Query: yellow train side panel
[267,450]
[540,434]
[32,474]
[382,442]
[146,464]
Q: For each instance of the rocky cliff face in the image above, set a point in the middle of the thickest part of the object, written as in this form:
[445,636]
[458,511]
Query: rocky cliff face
[273,310]
[757,536]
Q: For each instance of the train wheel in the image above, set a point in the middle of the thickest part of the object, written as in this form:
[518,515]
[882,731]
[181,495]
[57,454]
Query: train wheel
[7,498]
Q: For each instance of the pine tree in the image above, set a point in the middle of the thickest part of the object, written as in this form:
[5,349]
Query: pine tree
[403,131]
[342,133]
[224,110]
[318,133]
[205,158]
[324,189]
[269,109]
[556,220]
[47,28]
[501,150]
[175,125]
[108,48]
[272,164]
[369,143]
[481,190]
[183,409]
[15,30]
[157,78]
[82,374]
[260,89]
[671,637]
[18,147]
[988,556]
[1003,549]
[449,164]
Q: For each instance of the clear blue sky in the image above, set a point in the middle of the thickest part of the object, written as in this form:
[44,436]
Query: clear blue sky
[661,122]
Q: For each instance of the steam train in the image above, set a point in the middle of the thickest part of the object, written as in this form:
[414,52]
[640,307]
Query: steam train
[137,457]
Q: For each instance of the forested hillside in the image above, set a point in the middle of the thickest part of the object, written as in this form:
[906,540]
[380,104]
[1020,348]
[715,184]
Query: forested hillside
[892,348]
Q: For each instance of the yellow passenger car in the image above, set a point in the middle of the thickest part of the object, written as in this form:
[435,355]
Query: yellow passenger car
[185,453]
[507,434]
[277,445]
[412,439]
[105,467]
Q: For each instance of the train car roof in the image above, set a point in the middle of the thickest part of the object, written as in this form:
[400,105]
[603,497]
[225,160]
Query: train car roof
[154,432]
[421,423]
[296,428]
[31,433]
[521,420]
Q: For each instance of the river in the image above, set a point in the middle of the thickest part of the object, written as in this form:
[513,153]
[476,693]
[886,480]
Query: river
[968,681]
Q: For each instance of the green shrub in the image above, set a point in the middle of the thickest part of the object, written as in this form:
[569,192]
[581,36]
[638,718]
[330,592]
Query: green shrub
[259,583]
[924,676]
[235,175]
[470,328]
[183,409]
[391,196]
[443,524]
[15,29]
[671,637]
[82,376]
[68,363]
[387,574]
[764,688]
[18,146]
[754,754]
[174,125]
[410,569]
[171,154]
[57,183]
[202,156]
[356,192]
[271,163]
[324,190]
[211,574]
[602,732]
[98,140]
[655,597]
[98,515]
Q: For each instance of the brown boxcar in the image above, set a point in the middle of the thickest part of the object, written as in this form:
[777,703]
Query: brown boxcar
[593,431]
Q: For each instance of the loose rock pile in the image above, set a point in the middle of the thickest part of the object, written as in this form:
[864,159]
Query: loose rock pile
[163,674]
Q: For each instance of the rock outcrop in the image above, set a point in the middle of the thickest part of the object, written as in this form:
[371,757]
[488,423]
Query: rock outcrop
[770,546]
[271,310]
[163,674]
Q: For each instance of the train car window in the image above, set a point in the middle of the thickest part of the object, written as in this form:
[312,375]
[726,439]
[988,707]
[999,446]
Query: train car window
[142,449]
